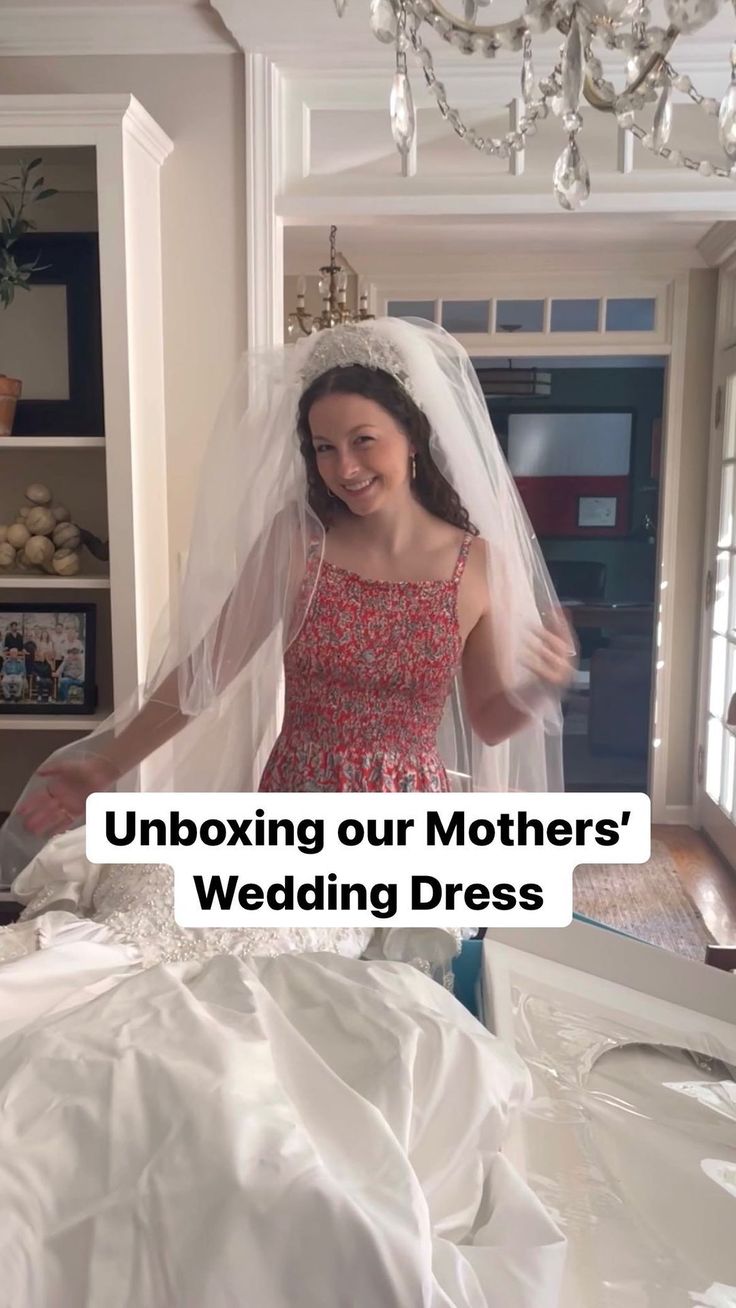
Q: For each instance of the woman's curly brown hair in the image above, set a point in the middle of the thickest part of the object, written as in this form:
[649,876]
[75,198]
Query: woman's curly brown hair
[430,488]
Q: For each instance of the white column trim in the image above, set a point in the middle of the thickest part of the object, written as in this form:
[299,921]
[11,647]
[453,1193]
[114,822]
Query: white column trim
[665,574]
[264,229]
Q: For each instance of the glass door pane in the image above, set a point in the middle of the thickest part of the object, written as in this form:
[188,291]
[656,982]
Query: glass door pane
[720,736]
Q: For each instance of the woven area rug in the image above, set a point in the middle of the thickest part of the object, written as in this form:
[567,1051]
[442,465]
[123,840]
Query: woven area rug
[646,900]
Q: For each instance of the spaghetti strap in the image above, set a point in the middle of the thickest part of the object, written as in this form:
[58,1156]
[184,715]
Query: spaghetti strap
[461,559]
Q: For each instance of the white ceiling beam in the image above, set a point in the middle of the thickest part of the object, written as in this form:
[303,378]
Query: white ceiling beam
[374,199]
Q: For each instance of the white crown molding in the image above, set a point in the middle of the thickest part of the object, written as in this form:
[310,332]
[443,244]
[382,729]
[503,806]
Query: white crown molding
[59,29]
[43,112]
[142,127]
[718,246]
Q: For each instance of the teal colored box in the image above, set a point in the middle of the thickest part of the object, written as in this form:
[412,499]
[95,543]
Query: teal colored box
[466,969]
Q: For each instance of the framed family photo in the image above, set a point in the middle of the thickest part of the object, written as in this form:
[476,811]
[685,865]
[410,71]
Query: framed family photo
[47,658]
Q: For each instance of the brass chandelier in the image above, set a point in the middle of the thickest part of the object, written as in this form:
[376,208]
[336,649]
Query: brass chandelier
[333,288]
[621,27]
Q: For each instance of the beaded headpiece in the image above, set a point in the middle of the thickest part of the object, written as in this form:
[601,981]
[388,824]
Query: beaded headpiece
[354,343]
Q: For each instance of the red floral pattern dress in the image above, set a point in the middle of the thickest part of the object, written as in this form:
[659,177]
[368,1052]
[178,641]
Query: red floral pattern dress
[367,679]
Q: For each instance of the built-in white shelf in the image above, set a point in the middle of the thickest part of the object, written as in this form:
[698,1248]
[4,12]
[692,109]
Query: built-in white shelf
[34,581]
[52,721]
[51,443]
[121,465]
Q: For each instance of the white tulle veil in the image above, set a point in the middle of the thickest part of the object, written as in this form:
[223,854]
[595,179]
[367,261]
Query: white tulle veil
[254,561]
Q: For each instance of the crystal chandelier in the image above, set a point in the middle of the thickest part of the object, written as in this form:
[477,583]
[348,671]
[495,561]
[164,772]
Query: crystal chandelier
[333,288]
[620,26]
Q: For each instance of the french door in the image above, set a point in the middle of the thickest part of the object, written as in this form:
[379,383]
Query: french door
[717,750]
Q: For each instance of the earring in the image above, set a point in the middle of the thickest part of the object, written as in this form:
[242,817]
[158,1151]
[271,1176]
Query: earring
[413,467]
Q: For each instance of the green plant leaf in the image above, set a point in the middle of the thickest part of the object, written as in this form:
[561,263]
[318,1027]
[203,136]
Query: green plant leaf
[45,195]
[35,163]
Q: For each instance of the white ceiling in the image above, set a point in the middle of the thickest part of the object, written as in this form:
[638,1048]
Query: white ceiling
[89,27]
[303,34]
[58,5]
[308,33]
[339,158]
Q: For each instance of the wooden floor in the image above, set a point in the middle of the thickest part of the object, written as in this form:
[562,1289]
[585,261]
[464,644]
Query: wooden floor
[708,880]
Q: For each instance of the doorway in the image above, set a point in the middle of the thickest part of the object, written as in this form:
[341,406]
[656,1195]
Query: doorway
[584,446]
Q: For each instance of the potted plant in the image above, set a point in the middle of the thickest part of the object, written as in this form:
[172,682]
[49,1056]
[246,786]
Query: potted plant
[17,196]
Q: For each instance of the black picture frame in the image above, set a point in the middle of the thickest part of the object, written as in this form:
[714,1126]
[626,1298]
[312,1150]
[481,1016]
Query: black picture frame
[69,259]
[40,695]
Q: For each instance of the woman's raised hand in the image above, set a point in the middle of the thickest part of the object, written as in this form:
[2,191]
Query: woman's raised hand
[57,804]
[552,652]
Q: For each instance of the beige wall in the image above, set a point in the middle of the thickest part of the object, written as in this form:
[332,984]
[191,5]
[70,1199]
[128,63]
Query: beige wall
[198,100]
[697,385]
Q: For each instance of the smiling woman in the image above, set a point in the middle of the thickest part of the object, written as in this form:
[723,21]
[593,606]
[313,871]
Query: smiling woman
[362,438]
[371,549]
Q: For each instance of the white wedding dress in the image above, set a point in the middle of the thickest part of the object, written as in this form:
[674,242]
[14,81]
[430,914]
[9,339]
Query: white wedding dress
[133,904]
[247,1117]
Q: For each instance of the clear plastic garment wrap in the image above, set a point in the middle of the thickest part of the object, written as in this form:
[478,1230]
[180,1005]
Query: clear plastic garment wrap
[629,1139]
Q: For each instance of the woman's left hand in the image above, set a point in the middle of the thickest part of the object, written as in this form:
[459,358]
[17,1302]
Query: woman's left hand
[551,654]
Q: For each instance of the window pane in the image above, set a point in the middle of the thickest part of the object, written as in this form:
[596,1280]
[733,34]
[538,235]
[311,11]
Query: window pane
[465,315]
[520,316]
[713,766]
[729,421]
[411,309]
[630,315]
[721,595]
[728,771]
[732,595]
[725,529]
[717,692]
[574,315]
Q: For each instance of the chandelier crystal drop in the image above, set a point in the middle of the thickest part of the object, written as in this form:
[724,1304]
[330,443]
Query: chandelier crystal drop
[589,29]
